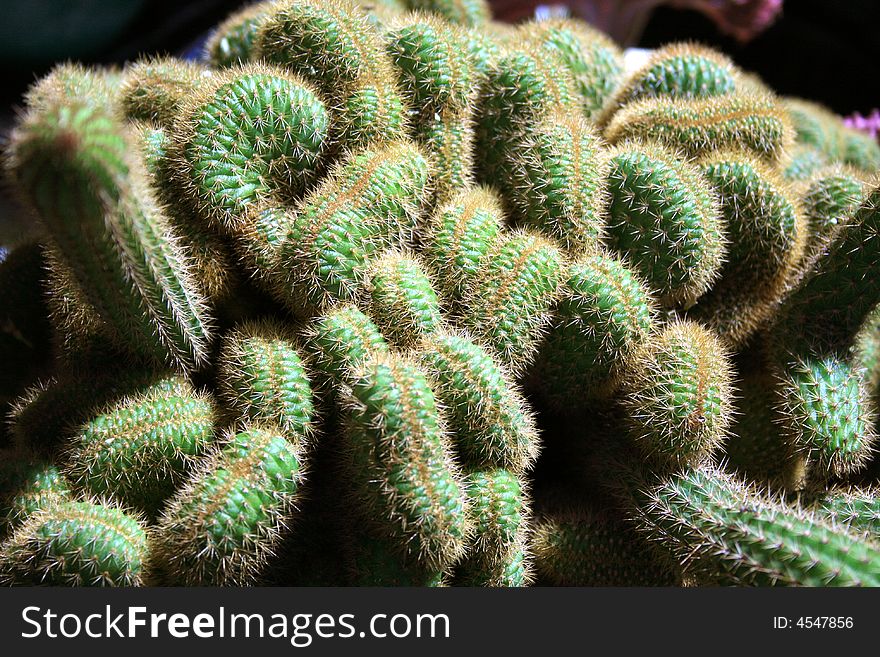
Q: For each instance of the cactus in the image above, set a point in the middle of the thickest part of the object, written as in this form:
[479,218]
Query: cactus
[155,89]
[726,531]
[339,341]
[401,299]
[226,521]
[767,235]
[594,60]
[248,132]
[831,199]
[757,124]
[857,509]
[335,46]
[263,379]
[508,306]
[677,393]
[500,508]
[470,13]
[233,41]
[36,485]
[592,548]
[362,206]
[76,544]
[804,162]
[663,217]
[604,313]
[140,448]
[458,236]
[490,420]
[556,180]
[826,414]
[406,479]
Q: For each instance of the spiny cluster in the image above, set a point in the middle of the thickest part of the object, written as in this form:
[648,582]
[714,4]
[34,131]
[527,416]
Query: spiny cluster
[392,294]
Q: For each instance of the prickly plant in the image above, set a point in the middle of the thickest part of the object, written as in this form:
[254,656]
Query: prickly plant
[754,123]
[248,132]
[509,304]
[491,424]
[856,508]
[406,479]
[155,89]
[459,235]
[233,40]
[74,164]
[227,520]
[767,234]
[335,46]
[830,199]
[726,532]
[663,218]
[677,392]
[603,314]
[76,544]
[401,299]
[35,485]
[141,448]
[263,379]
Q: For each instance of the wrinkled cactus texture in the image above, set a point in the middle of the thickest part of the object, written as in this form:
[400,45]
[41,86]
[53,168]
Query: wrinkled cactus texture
[392,294]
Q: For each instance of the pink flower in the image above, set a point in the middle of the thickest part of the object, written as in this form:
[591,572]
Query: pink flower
[868,124]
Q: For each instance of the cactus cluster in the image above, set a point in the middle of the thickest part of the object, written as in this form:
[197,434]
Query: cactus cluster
[393,294]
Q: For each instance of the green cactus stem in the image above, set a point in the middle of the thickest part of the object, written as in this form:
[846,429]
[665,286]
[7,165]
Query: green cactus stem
[155,89]
[225,523]
[76,544]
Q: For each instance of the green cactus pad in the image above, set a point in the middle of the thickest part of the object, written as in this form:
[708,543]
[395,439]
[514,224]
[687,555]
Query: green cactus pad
[490,420]
[677,393]
[252,131]
[408,483]
[604,313]
[509,304]
[262,378]
[401,299]
[663,217]
[138,450]
[76,544]
[228,519]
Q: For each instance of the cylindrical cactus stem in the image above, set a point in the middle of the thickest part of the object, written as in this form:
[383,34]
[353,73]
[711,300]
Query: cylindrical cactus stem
[677,393]
[262,378]
[338,48]
[830,199]
[401,299]
[249,132]
[70,81]
[521,89]
[79,169]
[365,205]
[76,544]
[663,218]
[767,234]
[338,342]
[594,60]
[232,42]
[138,450]
[677,70]
[156,89]
[826,415]
[804,162]
[498,552]
[491,423]
[211,260]
[860,150]
[36,485]
[376,561]
[722,530]
[468,13]
[603,314]
[754,123]
[458,236]
[558,172]
[448,140]
[508,306]
[405,477]
[855,508]
[823,314]
[865,355]
[589,547]
[226,522]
